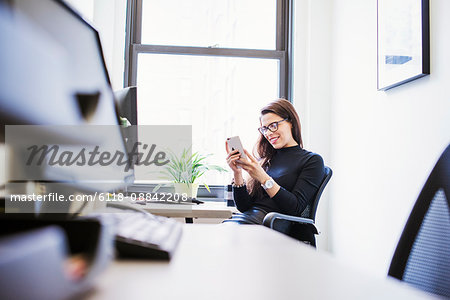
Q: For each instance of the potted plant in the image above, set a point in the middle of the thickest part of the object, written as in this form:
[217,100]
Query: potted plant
[184,171]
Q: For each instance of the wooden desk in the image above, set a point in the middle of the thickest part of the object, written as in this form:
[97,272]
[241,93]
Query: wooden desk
[229,261]
[217,210]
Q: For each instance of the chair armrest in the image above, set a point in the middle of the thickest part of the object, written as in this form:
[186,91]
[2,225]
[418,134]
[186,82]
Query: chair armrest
[270,218]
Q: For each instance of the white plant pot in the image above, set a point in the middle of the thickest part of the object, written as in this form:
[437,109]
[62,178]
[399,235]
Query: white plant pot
[190,189]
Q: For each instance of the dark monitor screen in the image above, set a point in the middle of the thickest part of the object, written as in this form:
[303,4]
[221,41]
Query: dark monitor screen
[126,104]
[126,101]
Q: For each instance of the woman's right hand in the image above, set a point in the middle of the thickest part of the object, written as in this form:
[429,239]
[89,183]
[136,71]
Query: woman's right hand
[232,157]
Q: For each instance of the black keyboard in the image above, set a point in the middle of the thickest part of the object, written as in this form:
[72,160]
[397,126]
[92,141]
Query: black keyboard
[140,234]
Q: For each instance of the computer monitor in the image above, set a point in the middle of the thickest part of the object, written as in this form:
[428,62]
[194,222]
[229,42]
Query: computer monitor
[53,73]
[126,101]
[55,65]
[126,106]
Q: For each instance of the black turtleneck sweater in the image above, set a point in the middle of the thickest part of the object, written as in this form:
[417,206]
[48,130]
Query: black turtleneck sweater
[299,174]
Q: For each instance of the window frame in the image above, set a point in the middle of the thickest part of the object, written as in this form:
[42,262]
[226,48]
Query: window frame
[282,52]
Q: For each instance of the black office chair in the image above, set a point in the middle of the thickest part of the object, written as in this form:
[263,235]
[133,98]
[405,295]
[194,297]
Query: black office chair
[301,228]
[422,256]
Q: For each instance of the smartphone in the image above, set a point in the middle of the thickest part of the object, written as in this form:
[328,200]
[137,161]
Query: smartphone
[234,143]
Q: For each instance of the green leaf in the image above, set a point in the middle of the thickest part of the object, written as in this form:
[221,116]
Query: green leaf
[156,188]
[187,168]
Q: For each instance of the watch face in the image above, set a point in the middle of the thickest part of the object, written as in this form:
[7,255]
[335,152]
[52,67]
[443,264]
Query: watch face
[268,184]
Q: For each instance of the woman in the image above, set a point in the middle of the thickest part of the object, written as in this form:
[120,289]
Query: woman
[285,178]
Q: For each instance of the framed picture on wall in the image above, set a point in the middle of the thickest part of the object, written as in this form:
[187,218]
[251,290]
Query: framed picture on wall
[403,41]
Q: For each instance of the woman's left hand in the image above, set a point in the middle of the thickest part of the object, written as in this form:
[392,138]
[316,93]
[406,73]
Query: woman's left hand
[253,168]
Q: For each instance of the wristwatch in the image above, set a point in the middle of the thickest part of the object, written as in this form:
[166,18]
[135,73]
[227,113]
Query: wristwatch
[268,184]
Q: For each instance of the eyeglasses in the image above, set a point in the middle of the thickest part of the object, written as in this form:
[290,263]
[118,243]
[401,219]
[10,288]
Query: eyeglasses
[272,127]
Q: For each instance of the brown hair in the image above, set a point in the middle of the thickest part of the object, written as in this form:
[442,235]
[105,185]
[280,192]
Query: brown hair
[263,150]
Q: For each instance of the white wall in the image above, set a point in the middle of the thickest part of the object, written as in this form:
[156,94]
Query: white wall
[312,94]
[382,144]
[110,19]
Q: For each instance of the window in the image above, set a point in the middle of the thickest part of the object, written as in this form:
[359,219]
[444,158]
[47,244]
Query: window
[211,64]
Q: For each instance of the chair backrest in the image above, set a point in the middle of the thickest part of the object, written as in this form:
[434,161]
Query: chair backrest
[310,210]
[422,256]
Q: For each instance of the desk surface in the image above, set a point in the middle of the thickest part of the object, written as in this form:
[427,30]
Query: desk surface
[247,262]
[205,210]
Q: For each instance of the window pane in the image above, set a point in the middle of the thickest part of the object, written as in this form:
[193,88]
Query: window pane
[219,96]
[249,24]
